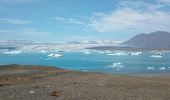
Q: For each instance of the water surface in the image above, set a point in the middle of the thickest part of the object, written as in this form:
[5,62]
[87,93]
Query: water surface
[95,61]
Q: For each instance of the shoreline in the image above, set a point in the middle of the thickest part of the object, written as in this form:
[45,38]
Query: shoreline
[88,72]
[30,82]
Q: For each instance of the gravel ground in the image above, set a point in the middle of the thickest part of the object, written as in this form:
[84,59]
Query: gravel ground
[26,82]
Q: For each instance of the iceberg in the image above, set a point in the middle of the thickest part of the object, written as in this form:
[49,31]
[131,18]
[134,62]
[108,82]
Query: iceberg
[12,52]
[159,53]
[135,53]
[111,54]
[150,68]
[116,65]
[156,56]
[54,55]
[118,54]
[162,68]
[43,51]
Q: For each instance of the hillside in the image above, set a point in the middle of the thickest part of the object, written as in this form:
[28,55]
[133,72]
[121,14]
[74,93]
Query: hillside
[154,40]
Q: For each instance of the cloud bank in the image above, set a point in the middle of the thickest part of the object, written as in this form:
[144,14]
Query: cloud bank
[27,32]
[133,17]
[68,20]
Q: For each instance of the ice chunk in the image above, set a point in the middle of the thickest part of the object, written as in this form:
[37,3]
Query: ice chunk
[54,55]
[118,54]
[162,68]
[12,52]
[116,65]
[135,53]
[156,56]
[150,68]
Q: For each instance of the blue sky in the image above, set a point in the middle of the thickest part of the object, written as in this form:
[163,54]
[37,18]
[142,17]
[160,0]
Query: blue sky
[67,20]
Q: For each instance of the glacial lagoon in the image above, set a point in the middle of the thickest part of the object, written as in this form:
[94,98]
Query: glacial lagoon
[113,62]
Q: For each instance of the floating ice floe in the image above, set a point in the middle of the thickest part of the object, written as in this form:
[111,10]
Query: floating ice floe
[54,55]
[118,54]
[156,56]
[12,52]
[111,54]
[159,53]
[135,53]
[117,65]
[162,68]
[150,68]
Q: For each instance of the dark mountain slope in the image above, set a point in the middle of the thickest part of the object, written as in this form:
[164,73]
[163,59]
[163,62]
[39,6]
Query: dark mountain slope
[158,39]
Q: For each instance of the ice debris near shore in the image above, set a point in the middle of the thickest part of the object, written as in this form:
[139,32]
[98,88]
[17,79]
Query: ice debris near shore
[116,66]
[159,68]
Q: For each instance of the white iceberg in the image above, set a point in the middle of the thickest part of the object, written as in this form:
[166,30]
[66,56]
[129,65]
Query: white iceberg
[150,68]
[116,65]
[162,68]
[156,56]
[12,52]
[118,54]
[159,53]
[111,54]
[135,53]
[54,55]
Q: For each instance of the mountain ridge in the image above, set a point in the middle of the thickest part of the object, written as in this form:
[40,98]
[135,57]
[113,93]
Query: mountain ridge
[156,40]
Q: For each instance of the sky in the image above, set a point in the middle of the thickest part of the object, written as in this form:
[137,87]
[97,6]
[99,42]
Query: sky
[71,20]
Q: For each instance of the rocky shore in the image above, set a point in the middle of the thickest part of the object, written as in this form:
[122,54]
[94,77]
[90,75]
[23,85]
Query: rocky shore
[28,82]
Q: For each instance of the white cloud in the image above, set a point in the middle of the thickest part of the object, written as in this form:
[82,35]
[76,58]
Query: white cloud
[164,1]
[59,19]
[27,32]
[68,20]
[132,18]
[14,21]
[140,5]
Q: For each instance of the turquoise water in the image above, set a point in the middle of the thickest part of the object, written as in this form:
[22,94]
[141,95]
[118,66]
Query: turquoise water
[94,62]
